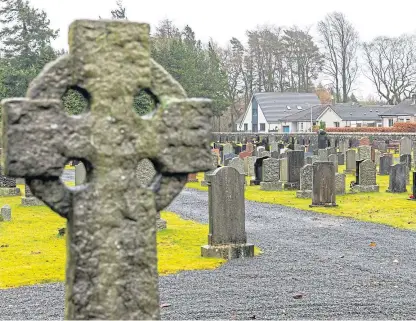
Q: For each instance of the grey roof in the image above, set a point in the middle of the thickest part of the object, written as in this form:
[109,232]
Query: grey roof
[405,108]
[273,105]
[305,115]
[356,113]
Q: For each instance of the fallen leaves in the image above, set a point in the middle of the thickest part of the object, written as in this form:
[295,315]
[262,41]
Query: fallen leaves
[373,244]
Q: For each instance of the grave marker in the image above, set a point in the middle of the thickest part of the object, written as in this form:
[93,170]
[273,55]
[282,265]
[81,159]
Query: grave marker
[111,220]
[227,235]
[323,185]
[397,179]
[306,177]
[6,213]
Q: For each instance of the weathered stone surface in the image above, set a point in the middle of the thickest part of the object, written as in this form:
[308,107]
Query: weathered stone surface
[6,213]
[238,164]
[111,263]
[306,177]
[340,183]
[272,186]
[249,165]
[405,146]
[274,154]
[323,184]
[227,234]
[366,177]
[368,173]
[274,147]
[80,174]
[343,146]
[271,170]
[341,158]
[260,150]
[386,160]
[377,155]
[265,153]
[283,169]
[407,159]
[364,152]
[9,191]
[334,159]
[350,160]
[322,155]
[397,179]
[295,161]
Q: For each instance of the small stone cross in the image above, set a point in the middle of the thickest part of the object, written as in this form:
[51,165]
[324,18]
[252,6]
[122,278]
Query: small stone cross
[111,270]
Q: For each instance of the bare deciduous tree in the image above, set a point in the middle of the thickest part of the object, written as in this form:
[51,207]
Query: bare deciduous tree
[391,66]
[340,41]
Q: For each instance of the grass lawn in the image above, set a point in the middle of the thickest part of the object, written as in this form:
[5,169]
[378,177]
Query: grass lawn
[385,208]
[32,252]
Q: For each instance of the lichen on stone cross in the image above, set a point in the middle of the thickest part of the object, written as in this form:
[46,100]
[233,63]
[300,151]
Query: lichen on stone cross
[111,268]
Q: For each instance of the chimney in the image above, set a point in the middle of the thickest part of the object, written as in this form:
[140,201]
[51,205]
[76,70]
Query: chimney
[413,99]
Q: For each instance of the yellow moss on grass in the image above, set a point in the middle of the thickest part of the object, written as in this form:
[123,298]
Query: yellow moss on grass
[32,252]
[385,208]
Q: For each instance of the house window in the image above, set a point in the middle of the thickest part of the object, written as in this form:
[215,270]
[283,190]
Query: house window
[262,127]
[358,124]
[336,124]
[301,126]
[390,122]
[245,127]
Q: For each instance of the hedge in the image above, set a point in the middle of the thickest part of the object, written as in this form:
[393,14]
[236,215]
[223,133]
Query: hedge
[397,128]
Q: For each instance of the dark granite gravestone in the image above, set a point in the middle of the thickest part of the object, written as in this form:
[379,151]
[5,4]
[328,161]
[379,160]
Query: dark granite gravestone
[322,139]
[386,160]
[407,159]
[227,233]
[258,170]
[295,161]
[323,184]
[357,171]
[413,187]
[111,259]
[397,179]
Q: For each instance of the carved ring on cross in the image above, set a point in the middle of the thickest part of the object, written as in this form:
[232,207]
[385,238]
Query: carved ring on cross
[47,90]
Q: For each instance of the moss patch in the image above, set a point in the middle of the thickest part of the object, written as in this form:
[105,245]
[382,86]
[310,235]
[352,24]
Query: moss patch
[385,208]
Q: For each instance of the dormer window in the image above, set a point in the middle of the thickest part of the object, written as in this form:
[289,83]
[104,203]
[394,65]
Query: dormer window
[288,107]
[299,107]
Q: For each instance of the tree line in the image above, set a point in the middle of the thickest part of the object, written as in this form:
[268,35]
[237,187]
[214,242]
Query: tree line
[271,58]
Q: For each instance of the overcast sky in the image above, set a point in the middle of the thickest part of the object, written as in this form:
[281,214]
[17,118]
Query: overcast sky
[223,19]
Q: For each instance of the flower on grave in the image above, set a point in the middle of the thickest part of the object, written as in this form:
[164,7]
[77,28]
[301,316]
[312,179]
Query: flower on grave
[411,196]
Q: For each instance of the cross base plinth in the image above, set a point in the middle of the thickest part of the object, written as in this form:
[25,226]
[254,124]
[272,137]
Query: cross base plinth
[228,251]
[9,191]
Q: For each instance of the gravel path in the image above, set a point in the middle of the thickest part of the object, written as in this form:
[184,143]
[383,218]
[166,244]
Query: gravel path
[327,259]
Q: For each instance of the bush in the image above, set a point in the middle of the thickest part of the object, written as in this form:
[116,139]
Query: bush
[397,128]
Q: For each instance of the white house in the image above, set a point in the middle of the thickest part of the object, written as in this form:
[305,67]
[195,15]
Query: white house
[267,110]
[339,115]
[403,112]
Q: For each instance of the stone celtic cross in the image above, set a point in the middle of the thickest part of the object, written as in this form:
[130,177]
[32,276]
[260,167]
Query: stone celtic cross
[111,270]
